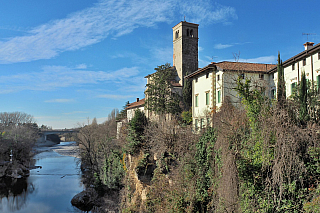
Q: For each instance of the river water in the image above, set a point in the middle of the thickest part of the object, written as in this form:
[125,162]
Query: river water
[47,189]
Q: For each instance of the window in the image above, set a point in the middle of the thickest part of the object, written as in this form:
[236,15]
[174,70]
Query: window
[293,68]
[202,123]
[218,77]
[273,93]
[241,76]
[261,76]
[207,98]
[293,86]
[207,75]
[177,34]
[219,96]
[191,33]
[304,62]
[196,80]
[196,101]
[196,124]
[272,76]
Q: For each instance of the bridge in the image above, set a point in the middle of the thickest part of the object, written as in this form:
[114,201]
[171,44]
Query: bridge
[46,132]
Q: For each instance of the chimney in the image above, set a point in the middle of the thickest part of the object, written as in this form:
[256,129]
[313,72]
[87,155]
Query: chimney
[137,99]
[308,45]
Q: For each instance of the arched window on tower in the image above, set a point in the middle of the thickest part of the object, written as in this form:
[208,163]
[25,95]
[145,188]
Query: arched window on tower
[191,33]
[177,34]
[188,32]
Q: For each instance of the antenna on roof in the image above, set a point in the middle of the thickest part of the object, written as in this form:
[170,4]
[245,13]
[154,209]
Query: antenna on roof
[213,57]
[307,34]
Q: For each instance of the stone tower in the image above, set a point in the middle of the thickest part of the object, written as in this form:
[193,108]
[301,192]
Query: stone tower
[185,49]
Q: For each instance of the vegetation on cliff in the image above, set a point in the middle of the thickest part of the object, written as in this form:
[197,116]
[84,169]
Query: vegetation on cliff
[262,157]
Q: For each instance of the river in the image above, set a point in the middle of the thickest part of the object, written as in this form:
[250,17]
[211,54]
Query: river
[47,189]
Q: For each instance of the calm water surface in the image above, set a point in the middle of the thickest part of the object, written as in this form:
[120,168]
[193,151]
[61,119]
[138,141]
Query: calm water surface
[49,189]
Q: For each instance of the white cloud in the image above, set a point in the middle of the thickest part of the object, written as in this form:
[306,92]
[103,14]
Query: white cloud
[106,18]
[205,11]
[81,66]
[59,101]
[163,54]
[53,77]
[222,46]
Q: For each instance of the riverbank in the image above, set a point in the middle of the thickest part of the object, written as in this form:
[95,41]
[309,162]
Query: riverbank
[64,148]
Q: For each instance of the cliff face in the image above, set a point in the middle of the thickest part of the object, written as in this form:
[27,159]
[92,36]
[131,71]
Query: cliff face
[134,195]
[139,172]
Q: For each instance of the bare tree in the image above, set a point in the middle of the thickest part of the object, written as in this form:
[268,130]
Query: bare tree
[15,118]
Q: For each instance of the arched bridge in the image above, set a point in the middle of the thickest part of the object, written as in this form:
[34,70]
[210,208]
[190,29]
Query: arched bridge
[44,133]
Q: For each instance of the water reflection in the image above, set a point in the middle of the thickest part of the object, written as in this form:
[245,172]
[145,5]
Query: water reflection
[47,189]
[15,191]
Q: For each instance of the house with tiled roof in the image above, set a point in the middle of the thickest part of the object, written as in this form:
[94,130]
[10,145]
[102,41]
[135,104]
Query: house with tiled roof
[307,61]
[131,108]
[212,84]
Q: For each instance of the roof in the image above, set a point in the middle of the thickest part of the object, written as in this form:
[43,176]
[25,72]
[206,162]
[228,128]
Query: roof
[235,67]
[185,23]
[136,104]
[299,57]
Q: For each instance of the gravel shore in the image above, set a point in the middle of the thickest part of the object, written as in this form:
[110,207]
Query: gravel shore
[64,148]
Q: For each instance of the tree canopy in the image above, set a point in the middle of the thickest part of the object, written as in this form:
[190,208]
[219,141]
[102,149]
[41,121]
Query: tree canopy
[161,98]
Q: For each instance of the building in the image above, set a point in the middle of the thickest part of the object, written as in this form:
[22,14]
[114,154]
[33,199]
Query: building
[212,84]
[185,57]
[131,108]
[185,49]
[307,61]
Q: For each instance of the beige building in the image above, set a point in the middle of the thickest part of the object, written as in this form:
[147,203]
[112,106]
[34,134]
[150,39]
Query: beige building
[212,84]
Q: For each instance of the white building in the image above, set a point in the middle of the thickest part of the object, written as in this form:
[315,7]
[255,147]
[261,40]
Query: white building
[212,84]
[131,108]
[307,61]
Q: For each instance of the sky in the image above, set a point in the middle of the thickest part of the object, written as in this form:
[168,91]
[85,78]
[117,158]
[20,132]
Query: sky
[65,62]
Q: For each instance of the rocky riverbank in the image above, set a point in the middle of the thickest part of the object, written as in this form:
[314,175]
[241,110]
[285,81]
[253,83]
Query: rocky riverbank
[66,148]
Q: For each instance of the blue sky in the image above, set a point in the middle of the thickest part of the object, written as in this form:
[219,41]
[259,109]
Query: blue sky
[66,61]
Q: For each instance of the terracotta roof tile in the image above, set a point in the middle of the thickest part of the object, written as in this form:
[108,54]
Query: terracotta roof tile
[235,66]
[242,66]
[136,104]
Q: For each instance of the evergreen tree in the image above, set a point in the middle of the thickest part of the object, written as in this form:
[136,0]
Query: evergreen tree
[123,112]
[160,97]
[187,94]
[281,87]
[303,98]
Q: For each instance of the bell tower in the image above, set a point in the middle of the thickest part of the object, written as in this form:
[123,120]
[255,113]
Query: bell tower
[185,49]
